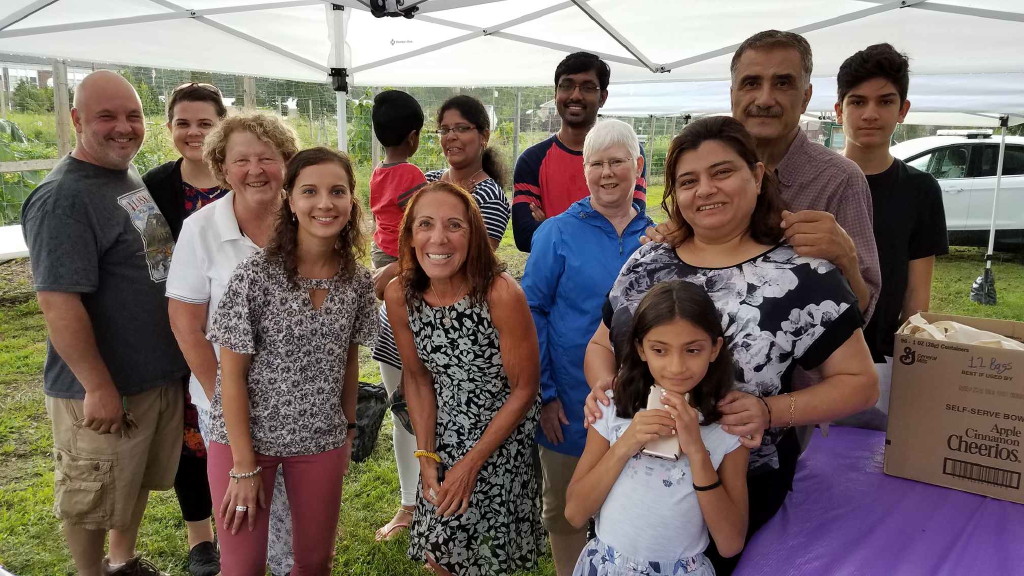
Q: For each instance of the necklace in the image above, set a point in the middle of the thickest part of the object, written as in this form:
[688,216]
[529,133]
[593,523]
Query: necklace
[447,321]
[466,184]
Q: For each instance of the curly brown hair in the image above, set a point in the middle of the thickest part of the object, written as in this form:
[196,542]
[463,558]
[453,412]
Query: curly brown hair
[482,266]
[267,127]
[765,222]
[351,244]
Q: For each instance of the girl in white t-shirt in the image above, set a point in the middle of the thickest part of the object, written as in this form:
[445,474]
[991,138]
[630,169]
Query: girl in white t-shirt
[654,514]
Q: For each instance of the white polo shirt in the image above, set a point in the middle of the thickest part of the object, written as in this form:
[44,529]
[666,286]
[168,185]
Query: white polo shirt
[209,248]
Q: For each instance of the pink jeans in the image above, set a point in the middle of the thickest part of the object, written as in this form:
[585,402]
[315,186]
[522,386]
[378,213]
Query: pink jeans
[313,483]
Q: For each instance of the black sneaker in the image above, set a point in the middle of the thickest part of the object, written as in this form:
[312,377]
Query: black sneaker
[204,560]
[137,566]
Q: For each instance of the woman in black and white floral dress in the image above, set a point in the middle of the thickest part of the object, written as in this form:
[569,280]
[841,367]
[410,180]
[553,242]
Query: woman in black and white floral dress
[779,309]
[471,371]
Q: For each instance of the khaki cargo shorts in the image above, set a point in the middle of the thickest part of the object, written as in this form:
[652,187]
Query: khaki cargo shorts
[98,477]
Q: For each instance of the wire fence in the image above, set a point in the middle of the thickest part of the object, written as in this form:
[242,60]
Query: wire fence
[520,117]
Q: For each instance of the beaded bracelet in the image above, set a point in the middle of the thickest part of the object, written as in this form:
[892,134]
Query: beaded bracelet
[236,476]
[769,409]
[427,454]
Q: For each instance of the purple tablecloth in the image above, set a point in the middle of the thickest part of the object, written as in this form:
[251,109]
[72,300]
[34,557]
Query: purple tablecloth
[846,517]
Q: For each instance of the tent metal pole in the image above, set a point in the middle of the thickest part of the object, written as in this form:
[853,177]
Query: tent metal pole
[966,11]
[62,107]
[495,31]
[567,48]
[857,15]
[179,14]
[515,125]
[267,45]
[1004,122]
[339,73]
[617,36]
[983,291]
[25,12]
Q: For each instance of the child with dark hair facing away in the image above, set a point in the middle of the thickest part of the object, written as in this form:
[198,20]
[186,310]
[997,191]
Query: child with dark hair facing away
[654,512]
[397,121]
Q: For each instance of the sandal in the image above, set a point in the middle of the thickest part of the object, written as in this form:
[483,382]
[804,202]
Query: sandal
[403,517]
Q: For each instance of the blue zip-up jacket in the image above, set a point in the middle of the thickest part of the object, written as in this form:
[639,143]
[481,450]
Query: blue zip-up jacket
[575,259]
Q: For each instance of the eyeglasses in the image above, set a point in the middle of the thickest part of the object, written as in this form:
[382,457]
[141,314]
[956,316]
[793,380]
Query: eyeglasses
[459,129]
[204,86]
[615,164]
[570,87]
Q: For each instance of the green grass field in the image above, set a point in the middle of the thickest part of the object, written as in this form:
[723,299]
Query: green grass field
[30,540]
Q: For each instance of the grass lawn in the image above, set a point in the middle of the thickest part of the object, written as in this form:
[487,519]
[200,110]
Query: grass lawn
[30,539]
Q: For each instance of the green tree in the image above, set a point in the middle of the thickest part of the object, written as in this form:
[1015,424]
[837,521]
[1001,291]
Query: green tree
[28,97]
[151,104]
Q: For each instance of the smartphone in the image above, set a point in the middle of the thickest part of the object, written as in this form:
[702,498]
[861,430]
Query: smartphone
[666,447]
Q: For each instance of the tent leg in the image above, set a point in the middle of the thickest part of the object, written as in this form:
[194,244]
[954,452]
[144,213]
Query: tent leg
[62,106]
[515,125]
[341,98]
[983,291]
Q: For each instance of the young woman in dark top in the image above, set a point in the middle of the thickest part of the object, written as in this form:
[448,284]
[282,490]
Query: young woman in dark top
[180,188]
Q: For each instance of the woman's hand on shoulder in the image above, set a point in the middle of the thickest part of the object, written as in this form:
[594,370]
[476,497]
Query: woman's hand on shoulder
[598,397]
[744,415]
[687,421]
[657,233]
[647,425]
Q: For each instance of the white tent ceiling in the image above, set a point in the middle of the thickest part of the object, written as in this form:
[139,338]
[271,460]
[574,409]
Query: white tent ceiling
[506,42]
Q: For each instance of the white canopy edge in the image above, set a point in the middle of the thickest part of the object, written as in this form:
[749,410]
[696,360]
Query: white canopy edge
[946,100]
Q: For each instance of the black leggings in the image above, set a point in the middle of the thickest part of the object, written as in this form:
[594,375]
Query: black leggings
[193,489]
[766,492]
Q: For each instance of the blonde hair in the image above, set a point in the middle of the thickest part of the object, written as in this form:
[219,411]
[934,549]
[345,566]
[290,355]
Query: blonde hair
[267,127]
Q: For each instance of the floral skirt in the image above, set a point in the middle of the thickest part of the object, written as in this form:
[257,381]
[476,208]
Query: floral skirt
[600,559]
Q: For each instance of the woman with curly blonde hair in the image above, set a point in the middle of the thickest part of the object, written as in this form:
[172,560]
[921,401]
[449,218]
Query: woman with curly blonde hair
[245,154]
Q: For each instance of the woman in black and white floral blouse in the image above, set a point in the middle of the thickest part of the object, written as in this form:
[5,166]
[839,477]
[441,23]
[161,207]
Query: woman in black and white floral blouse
[289,326]
[779,310]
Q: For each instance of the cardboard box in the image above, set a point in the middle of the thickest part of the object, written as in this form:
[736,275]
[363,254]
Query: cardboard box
[956,412]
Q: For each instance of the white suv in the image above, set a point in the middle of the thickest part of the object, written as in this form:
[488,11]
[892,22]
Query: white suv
[965,166]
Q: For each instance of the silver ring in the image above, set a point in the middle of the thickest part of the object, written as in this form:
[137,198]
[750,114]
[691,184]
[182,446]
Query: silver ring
[241,508]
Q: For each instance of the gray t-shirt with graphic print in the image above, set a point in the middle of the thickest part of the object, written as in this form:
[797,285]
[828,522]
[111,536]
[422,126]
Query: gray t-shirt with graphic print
[97,232]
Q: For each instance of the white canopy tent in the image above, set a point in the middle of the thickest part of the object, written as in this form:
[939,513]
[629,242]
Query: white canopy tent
[503,42]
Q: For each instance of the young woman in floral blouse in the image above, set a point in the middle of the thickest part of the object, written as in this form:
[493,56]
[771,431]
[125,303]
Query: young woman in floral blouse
[289,327]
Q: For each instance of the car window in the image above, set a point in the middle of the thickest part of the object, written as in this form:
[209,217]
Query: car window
[943,163]
[1013,161]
